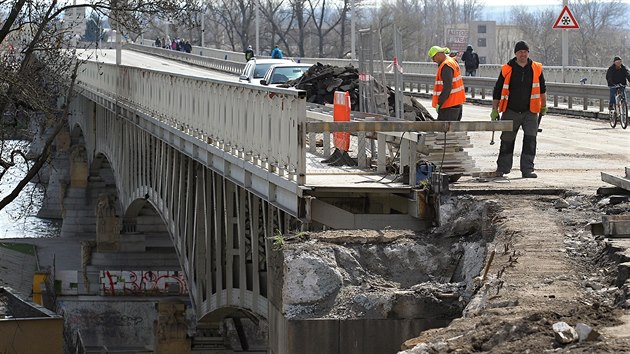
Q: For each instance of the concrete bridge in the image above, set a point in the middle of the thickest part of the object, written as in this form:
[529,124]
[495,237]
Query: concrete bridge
[219,169]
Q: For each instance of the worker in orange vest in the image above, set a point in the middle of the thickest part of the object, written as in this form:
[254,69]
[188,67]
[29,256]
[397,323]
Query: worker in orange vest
[519,94]
[448,90]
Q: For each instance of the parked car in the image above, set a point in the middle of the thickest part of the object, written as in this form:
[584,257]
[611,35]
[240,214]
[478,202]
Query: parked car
[281,73]
[255,69]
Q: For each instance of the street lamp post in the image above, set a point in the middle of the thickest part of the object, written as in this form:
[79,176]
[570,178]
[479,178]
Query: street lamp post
[257,28]
[352,29]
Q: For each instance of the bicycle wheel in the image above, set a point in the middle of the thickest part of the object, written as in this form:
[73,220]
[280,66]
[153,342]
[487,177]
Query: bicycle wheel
[623,114]
[612,118]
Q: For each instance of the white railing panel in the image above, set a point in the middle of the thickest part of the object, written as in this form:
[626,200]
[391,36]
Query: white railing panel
[227,112]
[261,126]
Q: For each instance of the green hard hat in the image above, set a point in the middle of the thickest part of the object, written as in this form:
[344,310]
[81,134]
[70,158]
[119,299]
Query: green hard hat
[435,49]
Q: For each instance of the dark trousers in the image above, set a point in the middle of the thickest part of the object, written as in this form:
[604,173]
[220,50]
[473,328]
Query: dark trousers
[529,122]
[450,114]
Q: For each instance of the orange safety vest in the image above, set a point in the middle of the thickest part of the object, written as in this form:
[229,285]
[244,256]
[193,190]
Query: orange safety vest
[457,96]
[534,99]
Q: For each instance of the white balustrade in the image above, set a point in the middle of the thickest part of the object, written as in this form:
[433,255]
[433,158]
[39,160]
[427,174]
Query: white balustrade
[258,125]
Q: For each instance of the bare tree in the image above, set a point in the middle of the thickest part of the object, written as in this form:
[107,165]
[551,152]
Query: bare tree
[598,38]
[537,30]
[236,18]
[343,26]
[280,19]
[471,10]
[38,69]
[422,23]
[321,12]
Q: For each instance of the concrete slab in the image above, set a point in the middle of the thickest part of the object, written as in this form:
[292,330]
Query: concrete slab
[17,268]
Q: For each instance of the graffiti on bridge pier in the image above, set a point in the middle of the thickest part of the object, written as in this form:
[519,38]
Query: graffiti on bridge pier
[142,283]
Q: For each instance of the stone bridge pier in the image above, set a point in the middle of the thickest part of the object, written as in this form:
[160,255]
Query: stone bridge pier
[156,225]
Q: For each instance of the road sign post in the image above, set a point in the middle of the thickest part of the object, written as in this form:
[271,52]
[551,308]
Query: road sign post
[565,21]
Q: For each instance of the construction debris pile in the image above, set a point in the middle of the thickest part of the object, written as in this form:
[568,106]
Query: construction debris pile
[321,81]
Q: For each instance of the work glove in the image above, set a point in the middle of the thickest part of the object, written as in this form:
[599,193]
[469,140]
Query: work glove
[437,108]
[543,111]
[494,115]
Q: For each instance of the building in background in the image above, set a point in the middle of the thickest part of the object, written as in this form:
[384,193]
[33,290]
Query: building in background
[493,43]
[483,39]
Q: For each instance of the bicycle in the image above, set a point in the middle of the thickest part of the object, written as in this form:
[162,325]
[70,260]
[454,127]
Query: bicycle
[620,109]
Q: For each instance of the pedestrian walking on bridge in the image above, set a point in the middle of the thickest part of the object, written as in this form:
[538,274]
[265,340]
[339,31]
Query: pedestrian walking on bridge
[519,94]
[276,53]
[249,53]
[471,61]
[448,90]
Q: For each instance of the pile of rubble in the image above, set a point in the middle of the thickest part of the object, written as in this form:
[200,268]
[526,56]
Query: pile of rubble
[321,81]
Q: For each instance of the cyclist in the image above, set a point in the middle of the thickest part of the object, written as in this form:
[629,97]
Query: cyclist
[617,74]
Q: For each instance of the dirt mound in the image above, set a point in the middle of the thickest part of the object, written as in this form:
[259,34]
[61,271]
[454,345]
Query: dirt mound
[547,268]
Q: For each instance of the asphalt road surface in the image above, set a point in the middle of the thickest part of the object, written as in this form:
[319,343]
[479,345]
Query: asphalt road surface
[571,153]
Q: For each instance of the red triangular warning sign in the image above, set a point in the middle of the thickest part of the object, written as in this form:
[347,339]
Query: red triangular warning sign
[566,20]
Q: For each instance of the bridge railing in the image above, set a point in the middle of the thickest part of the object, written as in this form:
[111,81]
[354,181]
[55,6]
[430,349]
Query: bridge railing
[220,64]
[568,74]
[262,127]
[568,94]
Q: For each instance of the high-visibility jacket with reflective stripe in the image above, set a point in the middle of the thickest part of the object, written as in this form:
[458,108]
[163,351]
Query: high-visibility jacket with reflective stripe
[534,98]
[458,95]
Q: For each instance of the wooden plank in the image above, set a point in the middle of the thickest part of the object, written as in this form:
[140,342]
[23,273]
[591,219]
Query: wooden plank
[404,126]
[611,191]
[616,181]
[616,225]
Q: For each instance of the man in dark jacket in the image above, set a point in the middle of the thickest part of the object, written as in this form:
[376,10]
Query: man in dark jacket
[249,53]
[471,61]
[616,75]
[520,94]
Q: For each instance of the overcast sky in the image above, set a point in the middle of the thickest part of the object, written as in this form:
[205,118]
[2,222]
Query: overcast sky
[529,2]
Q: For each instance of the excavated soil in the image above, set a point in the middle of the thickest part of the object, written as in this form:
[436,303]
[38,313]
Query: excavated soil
[547,268]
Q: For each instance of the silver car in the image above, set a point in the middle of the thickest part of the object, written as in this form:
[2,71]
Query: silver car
[255,69]
[281,73]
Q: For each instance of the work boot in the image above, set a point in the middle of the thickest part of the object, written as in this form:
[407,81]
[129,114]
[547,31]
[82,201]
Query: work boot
[529,175]
[498,173]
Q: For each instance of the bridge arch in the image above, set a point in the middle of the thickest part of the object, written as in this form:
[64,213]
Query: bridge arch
[220,230]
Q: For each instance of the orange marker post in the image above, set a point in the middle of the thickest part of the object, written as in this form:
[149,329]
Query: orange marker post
[341,113]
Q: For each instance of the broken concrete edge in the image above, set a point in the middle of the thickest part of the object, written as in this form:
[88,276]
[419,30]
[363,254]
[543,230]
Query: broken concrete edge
[454,190]
[360,236]
[328,276]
